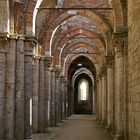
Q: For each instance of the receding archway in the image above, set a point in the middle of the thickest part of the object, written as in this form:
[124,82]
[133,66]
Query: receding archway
[83,95]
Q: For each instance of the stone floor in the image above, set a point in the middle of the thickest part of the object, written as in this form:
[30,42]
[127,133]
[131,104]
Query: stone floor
[77,127]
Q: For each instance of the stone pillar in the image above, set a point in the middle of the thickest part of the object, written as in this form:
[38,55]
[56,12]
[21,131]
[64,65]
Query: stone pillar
[66,97]
[10,89]
[103,99]
[19,104]
[48,61]
[71,102]
[53,97]
[105,95]
[100,97]
[120,85]
[3,44]
[29,43]
[97,98]
[57,103]
[63,99]
[41,100]
[110,92]
[35,94]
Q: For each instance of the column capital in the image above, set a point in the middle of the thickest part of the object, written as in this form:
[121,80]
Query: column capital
[30,43]
[21,37]
[31,39]
[104,69]
[62,77]
[48,61]
[7,36]
[57,71]
[121,34]
[109,60]
[120,40]
[97,79]
[36,57]
[100,74]
[66,81]
[4,35]
[42,57]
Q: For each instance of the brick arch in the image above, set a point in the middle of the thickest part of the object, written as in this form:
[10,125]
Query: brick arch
[29,10]
[83,71]
[79,48]
[67,47]
[4,15]
[76,33]
[90,15]
[60,38]
[118,15]
[74,41]
[71,58]
[30,7]
[72,34]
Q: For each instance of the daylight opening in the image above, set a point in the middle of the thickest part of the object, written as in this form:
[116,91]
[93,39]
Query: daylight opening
[83,90]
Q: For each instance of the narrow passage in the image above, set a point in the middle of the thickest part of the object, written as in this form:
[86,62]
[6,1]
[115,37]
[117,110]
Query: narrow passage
[77,127]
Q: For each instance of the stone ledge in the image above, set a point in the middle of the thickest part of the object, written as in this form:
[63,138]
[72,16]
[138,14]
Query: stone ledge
[12,36]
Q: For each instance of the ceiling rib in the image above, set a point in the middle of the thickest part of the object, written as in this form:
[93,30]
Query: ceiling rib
[76,8]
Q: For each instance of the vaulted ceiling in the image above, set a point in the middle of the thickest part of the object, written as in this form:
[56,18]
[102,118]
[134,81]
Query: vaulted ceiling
[68,29]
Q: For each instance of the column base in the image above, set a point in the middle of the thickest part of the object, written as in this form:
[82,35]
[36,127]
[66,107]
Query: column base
[108,129]
[30,138]
[103,123]
[47,130]
[119,137]
[99,122]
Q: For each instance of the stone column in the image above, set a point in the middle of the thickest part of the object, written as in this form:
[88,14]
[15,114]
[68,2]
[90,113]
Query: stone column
[29,43]
[120,85]
[48,61]
[19,104]
[72,99]
[3,44]
[100,97]
[105,95]
[97,97]
[57,103]
[103,99]
[35,93]
[53,95]
[62,99]
[41,100]
[10,89]
[66,97]
[110,92]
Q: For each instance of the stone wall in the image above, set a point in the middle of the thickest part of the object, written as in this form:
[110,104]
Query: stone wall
[134,68]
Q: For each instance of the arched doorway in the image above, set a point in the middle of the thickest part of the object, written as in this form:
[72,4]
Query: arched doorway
[83,95]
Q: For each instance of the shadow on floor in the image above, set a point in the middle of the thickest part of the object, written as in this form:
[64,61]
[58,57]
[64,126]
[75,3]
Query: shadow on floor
[76,127]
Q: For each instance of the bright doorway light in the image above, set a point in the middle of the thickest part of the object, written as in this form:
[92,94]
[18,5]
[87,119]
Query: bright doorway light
[83,90]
